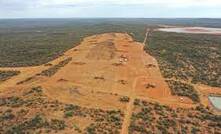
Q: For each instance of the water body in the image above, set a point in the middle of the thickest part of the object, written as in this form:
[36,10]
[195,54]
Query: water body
[193,30]
[216,101]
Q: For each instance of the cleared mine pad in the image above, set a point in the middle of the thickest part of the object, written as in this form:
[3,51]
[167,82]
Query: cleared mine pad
[110,63]
[105,75]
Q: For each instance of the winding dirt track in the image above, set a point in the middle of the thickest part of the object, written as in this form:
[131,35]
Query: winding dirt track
[103,68]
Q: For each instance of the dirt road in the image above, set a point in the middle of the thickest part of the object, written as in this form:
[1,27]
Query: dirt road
[146,36]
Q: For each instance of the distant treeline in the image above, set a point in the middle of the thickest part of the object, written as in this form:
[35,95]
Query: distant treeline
[36,41]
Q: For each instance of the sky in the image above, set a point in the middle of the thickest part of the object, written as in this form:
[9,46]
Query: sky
[110,8]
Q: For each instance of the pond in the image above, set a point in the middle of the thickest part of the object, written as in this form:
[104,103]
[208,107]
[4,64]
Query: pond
[216,101]
[193,30]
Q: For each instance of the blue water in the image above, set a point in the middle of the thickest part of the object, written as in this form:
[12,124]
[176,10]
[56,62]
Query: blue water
[216,101]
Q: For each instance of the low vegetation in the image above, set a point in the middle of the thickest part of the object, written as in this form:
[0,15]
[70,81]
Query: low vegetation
[148,85]
[187,59]
[32,112]
[124,99]
[35,123]
[187,56]
[52,70]
[5,75]
[103,121]
[26,80]
[183,89]
[49,72]
[152,118]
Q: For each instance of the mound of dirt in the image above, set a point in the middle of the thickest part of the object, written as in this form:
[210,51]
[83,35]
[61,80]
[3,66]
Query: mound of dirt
[102,51]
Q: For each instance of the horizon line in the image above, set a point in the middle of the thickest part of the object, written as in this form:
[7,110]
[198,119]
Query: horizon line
[112,18]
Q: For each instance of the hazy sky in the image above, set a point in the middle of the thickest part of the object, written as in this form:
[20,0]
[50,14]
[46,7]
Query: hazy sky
[109,8]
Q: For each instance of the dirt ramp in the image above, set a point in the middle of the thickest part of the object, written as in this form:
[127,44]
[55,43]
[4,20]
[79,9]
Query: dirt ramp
[102,51]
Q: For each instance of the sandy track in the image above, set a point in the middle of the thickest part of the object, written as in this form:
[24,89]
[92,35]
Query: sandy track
[129,110]
[146,36]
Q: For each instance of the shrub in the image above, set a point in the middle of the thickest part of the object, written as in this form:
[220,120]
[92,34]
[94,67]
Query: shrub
[183,89]
[52,70]
[11,101]
[7,115]
[57,124]
[124,99]
[31,124]
[68,114]
[5,75]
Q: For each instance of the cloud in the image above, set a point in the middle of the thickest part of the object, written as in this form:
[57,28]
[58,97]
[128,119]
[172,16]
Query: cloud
[18,4]
[23,4]
[109,8]
[59,3]
[179,3]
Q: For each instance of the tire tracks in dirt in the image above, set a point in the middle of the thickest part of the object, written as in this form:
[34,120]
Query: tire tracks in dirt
[130,105]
